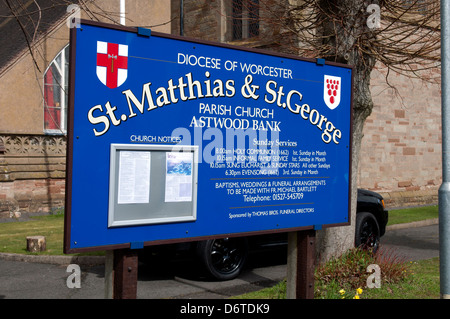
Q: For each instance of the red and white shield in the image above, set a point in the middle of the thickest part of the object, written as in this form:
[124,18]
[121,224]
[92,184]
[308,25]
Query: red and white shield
[332,91]
[112,63]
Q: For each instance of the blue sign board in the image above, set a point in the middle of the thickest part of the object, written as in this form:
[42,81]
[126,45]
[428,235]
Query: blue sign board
[174,140]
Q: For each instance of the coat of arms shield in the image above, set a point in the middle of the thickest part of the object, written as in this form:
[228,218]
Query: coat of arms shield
[112,63]
[332,91]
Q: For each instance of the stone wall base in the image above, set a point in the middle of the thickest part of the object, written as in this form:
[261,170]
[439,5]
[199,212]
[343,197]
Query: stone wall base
[410,198]
[32,174]
[31,196]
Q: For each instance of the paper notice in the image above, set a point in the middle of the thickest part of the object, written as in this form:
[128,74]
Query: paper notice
[179,176]
[134,177]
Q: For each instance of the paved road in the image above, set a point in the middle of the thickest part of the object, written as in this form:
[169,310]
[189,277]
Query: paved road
[180,278]
[414,243]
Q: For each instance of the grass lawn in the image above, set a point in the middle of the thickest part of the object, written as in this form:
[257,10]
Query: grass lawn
[408,215]
[13,235]
[422,283]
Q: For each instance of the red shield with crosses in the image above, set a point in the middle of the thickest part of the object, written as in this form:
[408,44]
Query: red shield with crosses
[112,63]
[332,91]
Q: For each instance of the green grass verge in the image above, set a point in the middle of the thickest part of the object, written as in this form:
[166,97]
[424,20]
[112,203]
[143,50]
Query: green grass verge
[13,235]
[421,283]
[409,215]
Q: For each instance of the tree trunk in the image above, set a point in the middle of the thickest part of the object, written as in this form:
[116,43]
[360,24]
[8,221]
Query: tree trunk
[331,242]
[348,47]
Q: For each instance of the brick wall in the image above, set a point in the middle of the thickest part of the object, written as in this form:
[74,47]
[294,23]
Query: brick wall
[201,19]
[401,150]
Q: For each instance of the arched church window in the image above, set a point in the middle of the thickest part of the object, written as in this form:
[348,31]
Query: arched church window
[56,84]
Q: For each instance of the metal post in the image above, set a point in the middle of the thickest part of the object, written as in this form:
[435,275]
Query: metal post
[444,190]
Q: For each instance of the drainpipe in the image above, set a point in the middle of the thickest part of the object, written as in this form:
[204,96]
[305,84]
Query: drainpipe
[122,12]
[181,17]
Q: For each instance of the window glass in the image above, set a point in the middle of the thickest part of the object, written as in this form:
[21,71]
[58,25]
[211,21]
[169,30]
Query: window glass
[245,19]
[56,79]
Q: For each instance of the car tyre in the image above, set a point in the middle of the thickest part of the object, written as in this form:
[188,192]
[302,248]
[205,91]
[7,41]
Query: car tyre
[367,231]
[223,258]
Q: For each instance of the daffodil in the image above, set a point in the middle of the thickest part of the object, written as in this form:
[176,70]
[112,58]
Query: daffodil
[359,291]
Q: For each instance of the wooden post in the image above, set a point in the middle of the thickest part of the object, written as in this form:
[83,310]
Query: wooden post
[301,264]
[125,274]
[109,274]
[306,241]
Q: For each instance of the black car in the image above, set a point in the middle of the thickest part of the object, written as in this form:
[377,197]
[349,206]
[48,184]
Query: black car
[224,259]
[371,219]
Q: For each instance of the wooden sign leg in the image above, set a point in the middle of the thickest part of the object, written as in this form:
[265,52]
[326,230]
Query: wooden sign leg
[301,265]
[109,274]
[125,274]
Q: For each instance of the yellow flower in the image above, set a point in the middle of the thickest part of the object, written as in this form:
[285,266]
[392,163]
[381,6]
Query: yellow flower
[342,291]
[356,297]
[359,291]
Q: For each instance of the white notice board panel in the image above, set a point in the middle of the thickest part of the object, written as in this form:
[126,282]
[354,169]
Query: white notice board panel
[137,173]
[134,177]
